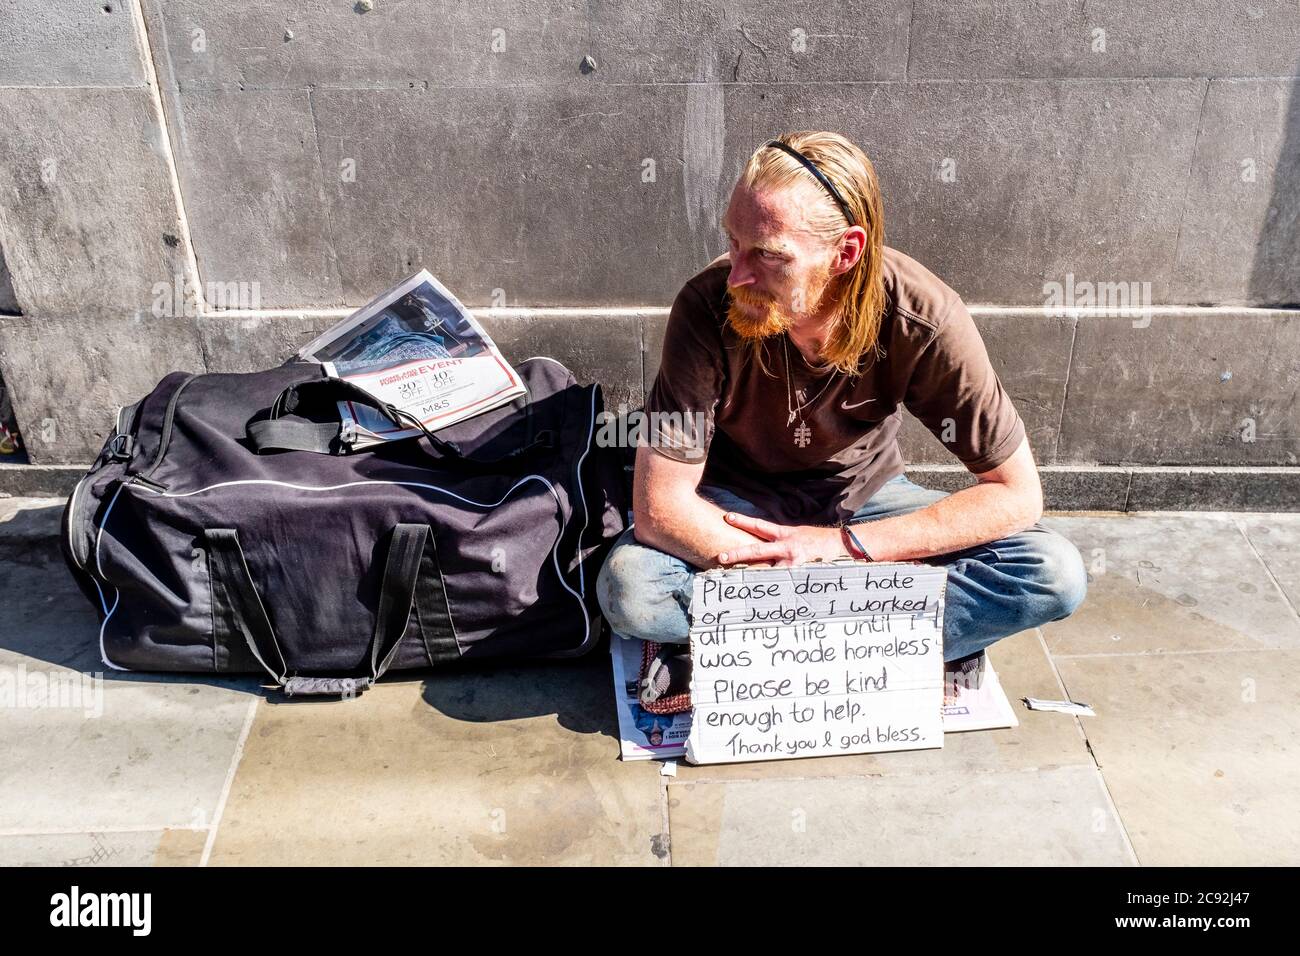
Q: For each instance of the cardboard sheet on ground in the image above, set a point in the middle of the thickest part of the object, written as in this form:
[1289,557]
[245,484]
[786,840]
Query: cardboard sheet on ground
[961,706]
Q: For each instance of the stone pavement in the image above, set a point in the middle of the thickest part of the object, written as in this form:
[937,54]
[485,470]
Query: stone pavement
[1185,647]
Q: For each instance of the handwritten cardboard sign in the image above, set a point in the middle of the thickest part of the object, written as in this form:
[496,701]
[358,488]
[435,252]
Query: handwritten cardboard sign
[816,660]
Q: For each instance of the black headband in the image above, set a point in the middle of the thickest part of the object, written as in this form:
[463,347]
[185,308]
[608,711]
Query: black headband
[821,177]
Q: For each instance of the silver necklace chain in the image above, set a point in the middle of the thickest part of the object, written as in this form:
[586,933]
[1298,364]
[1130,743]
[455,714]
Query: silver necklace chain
[789,388]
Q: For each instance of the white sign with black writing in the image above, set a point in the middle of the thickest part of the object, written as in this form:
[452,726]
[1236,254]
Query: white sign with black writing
[816,660]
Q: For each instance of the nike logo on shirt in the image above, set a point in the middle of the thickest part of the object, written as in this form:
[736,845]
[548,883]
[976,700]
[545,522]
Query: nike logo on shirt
[847,407]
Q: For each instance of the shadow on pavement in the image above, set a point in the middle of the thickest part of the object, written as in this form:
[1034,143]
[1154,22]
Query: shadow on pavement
[47,619]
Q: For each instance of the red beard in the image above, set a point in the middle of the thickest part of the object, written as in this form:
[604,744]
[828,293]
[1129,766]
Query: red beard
[753,317]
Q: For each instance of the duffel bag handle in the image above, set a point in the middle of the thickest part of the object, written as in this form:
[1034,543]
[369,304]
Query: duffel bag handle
[277,433]
[326,686]
[233,585]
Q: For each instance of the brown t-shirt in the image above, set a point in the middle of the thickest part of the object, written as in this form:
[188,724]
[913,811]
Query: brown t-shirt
[934,364]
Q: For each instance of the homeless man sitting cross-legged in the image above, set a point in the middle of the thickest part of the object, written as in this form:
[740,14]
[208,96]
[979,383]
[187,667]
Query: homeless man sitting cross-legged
[774,417]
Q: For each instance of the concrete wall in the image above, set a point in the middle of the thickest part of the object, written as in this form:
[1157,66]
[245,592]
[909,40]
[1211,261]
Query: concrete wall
[308,153]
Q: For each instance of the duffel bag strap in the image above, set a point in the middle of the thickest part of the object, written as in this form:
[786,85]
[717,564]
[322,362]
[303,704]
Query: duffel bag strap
[282,434]
[233,588]
[397,597]
[277,433]
[330,437]
[233,585]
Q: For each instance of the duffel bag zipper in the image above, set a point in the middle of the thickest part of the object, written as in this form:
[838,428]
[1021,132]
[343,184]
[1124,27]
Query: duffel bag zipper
[121,447]
[75,522]
[592,634]
[166,435]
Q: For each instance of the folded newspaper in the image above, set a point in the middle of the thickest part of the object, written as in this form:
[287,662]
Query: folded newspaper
[417,348]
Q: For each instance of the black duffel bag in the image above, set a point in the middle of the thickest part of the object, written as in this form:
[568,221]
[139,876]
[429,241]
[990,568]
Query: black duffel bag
[227,527]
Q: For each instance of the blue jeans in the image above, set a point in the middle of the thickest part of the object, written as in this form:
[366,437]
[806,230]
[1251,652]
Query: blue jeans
[994,590]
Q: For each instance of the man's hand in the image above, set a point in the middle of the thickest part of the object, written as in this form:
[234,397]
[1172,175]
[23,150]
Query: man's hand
[782,546]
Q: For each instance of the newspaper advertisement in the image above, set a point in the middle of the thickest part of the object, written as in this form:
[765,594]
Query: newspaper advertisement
[417,348]
[642,735]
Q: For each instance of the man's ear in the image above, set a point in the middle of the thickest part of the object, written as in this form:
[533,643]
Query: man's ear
[853,245]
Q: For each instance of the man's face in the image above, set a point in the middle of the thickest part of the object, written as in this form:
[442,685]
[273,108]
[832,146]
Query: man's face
[780,271]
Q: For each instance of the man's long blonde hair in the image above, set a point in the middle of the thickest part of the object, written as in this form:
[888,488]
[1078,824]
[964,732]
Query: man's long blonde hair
[862,289]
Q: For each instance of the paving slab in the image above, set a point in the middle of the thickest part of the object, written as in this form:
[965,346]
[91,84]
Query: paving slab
[1168,583]
[1201,752]
[29,523]
[150,753]
[47,621]
[1060,816]
[87,748]
[1276,539]
[172,847]
[516,765]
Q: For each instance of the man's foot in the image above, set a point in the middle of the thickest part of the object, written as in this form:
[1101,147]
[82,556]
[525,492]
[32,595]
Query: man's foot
[667,675]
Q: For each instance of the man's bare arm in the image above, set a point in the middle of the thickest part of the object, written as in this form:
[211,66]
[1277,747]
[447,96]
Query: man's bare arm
[1004,500]
[670,514]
